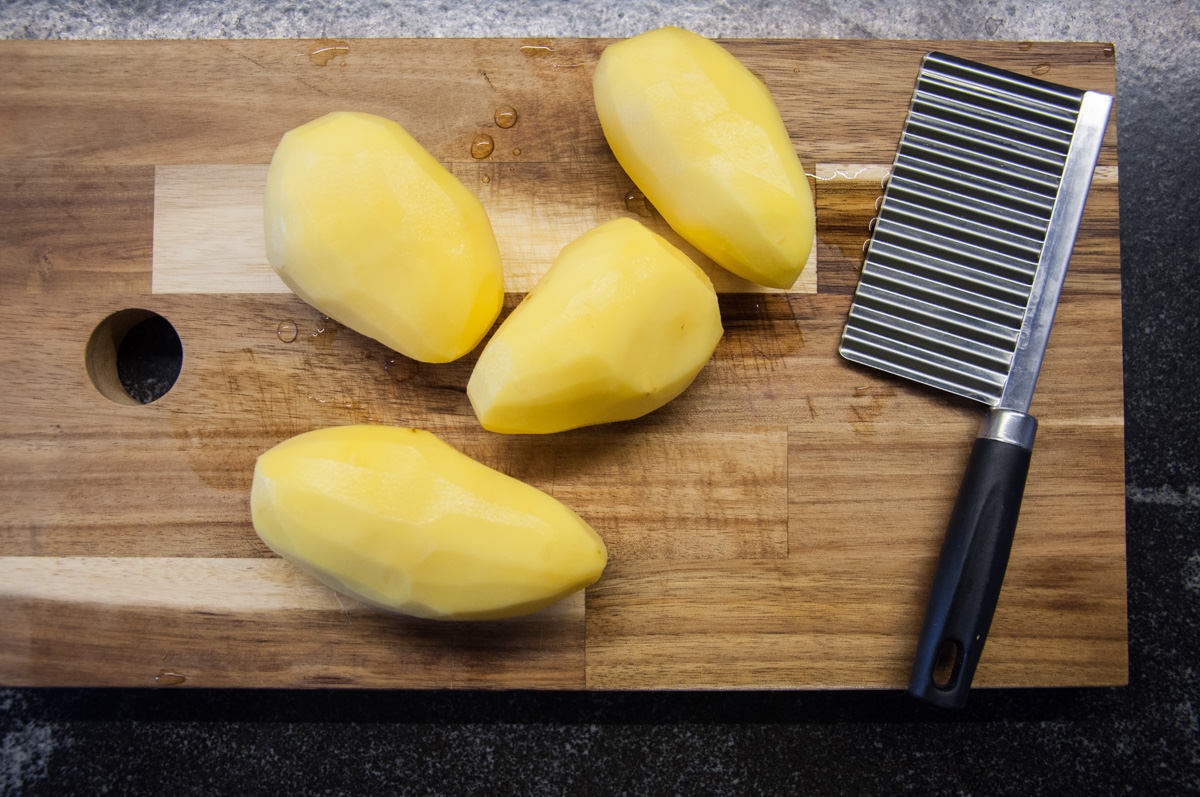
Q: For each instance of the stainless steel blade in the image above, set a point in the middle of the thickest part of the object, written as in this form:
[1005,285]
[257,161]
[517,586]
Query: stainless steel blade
[970,250]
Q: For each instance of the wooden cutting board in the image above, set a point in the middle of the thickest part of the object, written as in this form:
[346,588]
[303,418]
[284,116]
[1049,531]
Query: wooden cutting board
[775,526]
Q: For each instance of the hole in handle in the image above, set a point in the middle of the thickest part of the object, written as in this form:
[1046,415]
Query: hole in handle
[946,664]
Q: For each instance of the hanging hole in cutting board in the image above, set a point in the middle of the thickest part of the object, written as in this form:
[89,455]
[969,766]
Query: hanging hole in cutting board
[134,356]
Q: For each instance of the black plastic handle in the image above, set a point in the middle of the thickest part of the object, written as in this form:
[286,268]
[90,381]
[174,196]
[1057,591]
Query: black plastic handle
[969,573]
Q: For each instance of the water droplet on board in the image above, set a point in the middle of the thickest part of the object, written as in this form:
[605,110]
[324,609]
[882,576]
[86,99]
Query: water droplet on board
[536,50]
[1041,68]
[482,146]
[635,202]
[516,150]
[485,179]
[321,53]
[506,116]
[287,331]
[400,370]
[167,678]
[325,332]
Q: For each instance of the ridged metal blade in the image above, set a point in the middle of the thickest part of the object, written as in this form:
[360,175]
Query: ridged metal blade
[970,248]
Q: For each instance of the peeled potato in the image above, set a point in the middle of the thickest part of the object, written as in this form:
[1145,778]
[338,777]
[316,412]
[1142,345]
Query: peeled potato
[400,519]
[366,226]
[620,324]
[704,141]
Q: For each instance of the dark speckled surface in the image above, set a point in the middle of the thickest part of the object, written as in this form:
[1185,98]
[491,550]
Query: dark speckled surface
[1140,739]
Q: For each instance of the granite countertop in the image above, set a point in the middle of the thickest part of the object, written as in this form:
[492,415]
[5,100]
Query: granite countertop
[1143,738]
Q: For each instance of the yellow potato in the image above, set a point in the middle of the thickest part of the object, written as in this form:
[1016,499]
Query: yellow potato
[402,520]
[620,325]
[364,225]
[703,140]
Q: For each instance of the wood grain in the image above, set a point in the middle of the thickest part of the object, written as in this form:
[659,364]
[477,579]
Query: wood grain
[208,224]
[774,527]
[263,621]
